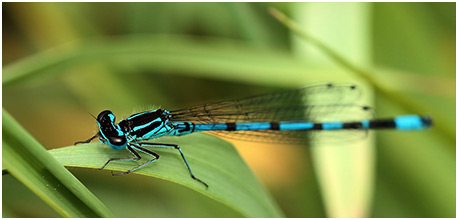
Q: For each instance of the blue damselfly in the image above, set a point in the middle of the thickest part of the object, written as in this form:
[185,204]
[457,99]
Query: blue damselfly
[286,117]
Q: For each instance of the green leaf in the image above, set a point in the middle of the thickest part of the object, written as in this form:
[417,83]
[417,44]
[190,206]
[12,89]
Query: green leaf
[217,58]
[344,170]
[212,160]
[407,103]
[31,164]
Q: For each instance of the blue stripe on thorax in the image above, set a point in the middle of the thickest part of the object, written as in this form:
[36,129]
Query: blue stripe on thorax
[161,130]
[138,127]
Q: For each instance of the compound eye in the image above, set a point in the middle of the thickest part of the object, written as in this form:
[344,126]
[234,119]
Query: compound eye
[105,116]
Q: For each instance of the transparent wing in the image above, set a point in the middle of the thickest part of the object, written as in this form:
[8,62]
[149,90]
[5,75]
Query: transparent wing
[319,103]
[282,106]
[330,113]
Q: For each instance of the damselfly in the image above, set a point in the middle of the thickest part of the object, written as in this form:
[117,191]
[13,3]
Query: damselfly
[287,117]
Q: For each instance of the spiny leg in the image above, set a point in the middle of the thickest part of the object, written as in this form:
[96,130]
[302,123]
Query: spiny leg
[182,156]
[137,157]
[86,141]
[156,156]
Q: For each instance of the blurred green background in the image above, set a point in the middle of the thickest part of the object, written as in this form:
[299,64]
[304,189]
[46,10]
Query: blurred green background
[63,60]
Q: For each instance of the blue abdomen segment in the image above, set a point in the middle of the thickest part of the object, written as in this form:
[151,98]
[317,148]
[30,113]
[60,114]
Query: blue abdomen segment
[255,126]
[294,126]
[183,128]
[405,122]
[332,125]
[412,122]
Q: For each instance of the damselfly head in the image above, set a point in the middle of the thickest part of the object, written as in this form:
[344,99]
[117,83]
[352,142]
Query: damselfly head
[110,133]
[106,116]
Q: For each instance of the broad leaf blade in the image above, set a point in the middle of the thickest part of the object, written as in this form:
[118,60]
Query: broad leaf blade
[212,160]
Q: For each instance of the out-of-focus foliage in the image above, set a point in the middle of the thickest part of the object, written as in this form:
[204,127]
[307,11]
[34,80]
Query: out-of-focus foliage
[42,173]
[62,60]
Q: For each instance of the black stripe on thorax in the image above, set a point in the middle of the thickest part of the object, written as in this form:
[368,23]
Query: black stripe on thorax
[145,117]
[148,129]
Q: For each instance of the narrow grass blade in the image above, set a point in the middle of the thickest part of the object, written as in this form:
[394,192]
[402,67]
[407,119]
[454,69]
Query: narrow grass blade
[344,170]
[409,105]
[29,162]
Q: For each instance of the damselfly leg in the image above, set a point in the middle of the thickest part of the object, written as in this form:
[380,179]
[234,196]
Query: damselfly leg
[132,151]
[146,151]
[174,146]
[88,140]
